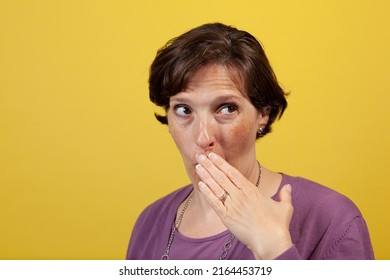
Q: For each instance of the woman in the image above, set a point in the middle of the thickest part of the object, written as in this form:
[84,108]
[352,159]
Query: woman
[220,94]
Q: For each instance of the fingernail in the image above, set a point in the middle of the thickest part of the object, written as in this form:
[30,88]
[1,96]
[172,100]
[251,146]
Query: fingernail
[201,185]
[200,157]
[288,188]
[212,157]
[199,168]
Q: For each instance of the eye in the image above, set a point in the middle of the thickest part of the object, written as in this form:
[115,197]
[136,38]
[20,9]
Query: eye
[182,110]
[228,109]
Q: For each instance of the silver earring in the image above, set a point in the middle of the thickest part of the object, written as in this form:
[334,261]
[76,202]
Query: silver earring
[261,130]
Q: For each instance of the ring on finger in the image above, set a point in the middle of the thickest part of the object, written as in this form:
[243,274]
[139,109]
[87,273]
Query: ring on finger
[223,197]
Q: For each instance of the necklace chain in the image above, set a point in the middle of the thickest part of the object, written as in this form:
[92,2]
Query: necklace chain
[228,245]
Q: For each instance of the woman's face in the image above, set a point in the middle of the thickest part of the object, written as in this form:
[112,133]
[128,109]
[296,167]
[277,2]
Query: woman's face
[214,115]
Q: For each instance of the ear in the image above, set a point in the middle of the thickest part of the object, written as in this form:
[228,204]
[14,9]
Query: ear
[263,117]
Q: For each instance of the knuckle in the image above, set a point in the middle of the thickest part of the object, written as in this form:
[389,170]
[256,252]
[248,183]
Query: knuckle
[231,173]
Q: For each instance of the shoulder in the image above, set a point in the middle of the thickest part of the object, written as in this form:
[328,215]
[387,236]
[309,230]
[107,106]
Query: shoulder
[153,224]
[326,224]
[167,204]
[319,208]
[311,197]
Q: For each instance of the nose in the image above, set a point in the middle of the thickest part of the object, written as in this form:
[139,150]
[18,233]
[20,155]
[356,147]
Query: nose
[205,134]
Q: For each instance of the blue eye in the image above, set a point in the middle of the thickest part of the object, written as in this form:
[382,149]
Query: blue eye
[182,110]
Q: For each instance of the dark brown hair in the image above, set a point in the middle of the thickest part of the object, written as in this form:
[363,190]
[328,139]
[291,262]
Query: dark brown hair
[216,43]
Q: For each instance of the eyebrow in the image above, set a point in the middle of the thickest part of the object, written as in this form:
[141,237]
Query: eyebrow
[219,99]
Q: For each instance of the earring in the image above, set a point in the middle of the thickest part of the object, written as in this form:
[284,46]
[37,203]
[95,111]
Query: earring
[261,130]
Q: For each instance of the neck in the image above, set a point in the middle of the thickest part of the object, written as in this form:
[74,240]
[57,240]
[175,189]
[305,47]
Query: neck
[250,169]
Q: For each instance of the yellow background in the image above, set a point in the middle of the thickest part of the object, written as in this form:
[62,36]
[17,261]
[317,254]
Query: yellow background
[81,153]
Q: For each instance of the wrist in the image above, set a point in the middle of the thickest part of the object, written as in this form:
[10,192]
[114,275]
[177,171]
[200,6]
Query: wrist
[272,252]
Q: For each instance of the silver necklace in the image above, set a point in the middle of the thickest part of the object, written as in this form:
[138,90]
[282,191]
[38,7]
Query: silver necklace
[228,245]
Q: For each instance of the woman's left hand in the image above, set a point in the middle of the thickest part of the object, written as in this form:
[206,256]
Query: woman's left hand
[256,220]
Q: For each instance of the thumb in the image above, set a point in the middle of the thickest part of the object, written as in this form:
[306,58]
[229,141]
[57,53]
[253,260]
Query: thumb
[285,194]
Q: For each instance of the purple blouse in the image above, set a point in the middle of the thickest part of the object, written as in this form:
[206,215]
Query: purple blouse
[324,225]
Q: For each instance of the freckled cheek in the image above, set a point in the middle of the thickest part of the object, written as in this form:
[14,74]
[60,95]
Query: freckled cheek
[187,151]
[237,137]
[182,141]
[240,130]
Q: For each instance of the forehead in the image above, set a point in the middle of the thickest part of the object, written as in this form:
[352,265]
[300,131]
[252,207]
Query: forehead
[216,76]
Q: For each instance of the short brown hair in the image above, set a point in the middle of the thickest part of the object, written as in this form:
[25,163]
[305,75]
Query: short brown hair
[216,43]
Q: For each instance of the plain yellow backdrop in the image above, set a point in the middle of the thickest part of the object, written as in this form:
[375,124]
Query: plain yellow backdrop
[81,154]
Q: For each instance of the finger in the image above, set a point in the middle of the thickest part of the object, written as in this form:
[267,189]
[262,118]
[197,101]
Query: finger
[285,194]
[214,202]
[232,173]
[206,178]
[285,199]
[213,176]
